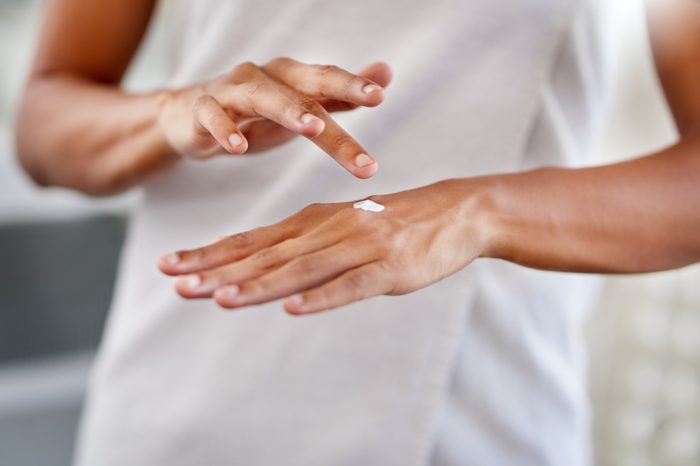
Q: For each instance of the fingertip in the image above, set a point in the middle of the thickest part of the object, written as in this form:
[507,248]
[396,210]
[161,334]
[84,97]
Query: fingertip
[311,125]
[238,144]
[195,286]
[386,68]
[185,285]
[364,166]
[167,263]
[374,97]
[365,172]
[294,305]
[226,296]
[379,72]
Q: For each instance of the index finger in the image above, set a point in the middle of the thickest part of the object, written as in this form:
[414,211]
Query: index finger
[340,145]
[307,83]
[277,102]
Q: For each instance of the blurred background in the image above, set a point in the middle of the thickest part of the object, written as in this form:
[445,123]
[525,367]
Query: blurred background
[60,253]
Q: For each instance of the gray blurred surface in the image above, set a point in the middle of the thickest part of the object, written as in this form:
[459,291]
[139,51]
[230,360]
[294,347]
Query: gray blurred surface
[40,403]
[55,292]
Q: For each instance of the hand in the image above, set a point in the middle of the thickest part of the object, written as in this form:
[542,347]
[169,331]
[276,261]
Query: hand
[329,255]
[254,108]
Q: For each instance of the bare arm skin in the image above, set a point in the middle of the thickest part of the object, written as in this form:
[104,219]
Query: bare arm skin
[638,216]
[78,129]
[642,215]
[73,111]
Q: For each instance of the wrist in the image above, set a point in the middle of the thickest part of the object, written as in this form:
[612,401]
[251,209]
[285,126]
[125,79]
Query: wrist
[167,102]
[481,213]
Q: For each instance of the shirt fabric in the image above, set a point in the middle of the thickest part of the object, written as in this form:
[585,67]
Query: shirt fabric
[483,368]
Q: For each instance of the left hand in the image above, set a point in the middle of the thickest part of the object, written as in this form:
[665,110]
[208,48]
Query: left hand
[330,255]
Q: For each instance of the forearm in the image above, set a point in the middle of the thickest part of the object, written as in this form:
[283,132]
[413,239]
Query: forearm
[88,136]
[637,216]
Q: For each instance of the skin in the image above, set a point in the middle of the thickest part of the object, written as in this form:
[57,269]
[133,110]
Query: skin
[84,50]
[638,216]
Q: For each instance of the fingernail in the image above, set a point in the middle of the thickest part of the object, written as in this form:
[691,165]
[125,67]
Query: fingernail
[369,88]
[363,160]
[307,118]
[235,140]
[230,291]
[171,259]
[191,282]
[295,301]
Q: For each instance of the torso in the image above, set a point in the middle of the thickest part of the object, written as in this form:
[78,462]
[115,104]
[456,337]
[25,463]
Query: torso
[427,378]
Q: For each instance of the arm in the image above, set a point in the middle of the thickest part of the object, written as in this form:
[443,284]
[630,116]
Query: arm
[637,216]
[78,129]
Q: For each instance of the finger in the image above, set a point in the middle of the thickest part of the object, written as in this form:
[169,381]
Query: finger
[235,247]
[227,249]
[297,275]
[378,72]
[271,101]
[345,150]
[203,284]
[301,115]
[211,118]
[354,285]
[326,82]
[255,93]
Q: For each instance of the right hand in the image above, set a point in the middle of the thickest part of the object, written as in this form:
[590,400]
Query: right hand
[254,108]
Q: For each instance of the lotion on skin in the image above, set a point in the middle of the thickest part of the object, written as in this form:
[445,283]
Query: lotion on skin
[369,206]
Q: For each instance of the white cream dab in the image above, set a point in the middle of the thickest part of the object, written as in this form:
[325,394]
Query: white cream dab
[369,206]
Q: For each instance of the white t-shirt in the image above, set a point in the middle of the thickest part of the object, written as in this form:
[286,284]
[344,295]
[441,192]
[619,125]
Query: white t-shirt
[483,368]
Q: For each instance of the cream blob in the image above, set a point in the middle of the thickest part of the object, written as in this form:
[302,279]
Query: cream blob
[369,206]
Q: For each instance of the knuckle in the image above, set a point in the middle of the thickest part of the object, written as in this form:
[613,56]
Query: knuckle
[358,281]
[200,105]
[324,71]
[287,109]
[319,212]
[265,258]
[240,240]
[307,265]
[213,120]
[280,62]
[244,68]
[202,101]
[257,89]
[309,104]
[312,208]
[341,141]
